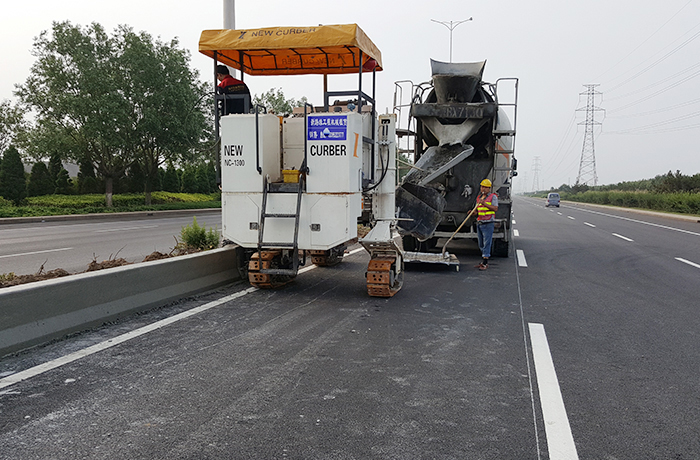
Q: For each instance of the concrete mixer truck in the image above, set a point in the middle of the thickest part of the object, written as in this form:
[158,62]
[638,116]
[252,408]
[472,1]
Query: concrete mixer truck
[459,132]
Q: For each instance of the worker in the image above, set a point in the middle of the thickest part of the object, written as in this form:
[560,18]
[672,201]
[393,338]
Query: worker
[230,85]
[486,207]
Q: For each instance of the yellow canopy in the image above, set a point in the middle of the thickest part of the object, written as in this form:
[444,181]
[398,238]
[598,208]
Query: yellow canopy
[333,49]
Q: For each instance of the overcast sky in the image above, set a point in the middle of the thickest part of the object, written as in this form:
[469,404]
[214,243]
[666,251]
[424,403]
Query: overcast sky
[645,55]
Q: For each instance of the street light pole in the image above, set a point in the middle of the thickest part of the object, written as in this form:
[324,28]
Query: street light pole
[452,25]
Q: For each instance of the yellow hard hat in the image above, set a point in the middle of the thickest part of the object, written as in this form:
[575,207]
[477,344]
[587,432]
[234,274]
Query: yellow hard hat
[486,183]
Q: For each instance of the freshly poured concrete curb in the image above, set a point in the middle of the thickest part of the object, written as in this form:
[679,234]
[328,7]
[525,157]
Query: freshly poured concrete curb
[35,313]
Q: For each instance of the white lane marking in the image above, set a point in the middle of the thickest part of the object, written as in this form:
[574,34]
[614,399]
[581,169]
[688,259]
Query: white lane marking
[559,213]
[41,368]
[590,225]
[688,262]
[560,441]
[516,232]
[572,218]
[521,258]
[623,237]
[513,222]
[35,252]
[125,228]
[640,221]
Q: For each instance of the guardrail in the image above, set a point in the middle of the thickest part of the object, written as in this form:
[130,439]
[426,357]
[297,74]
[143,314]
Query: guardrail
[35,313]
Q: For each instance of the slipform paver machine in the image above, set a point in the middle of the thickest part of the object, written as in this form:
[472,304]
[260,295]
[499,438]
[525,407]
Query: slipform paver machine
[295,187]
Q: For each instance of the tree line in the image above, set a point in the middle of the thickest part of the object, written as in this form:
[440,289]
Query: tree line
[663,183]
[122,105]
[16,184]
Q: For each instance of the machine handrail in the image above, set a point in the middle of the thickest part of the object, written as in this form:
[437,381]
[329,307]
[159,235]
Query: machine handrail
[305,165]
[257,137]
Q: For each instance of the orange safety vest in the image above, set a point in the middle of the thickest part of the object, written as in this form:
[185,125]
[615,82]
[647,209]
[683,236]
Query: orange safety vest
[485,213]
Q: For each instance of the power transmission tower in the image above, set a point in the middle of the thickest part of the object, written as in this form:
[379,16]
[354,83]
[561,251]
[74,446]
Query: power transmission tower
[536,166]
[587,171]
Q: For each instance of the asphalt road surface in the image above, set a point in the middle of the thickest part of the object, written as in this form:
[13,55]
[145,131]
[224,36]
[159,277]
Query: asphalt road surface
[72,245]
[584,345]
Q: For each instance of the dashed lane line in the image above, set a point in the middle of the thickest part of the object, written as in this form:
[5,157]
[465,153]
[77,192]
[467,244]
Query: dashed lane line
[35,252]
[622,237]
[521,258]
[125,229]
[692,264]
[590,225]
[516,232]
[572,218]
[666,227]
[560,441]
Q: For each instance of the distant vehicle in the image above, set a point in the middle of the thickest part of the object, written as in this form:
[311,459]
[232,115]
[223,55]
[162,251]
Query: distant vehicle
[552,200]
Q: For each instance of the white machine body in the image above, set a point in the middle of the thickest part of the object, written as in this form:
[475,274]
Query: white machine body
[337,160]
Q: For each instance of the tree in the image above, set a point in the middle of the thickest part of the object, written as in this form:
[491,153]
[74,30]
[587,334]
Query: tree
[73,87]
[40,182]
[114,100]
[87,182]
[171,181]
[189,180]
[274,101]
[168,102]
[11,121]
[211,175]
[201,176]
[63,183]
[13,185]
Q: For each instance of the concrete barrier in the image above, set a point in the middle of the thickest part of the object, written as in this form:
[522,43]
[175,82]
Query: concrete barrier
[35,313]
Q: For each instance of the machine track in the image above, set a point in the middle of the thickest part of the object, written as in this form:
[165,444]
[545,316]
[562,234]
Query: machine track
[264,260]
[329,257]
[382,277]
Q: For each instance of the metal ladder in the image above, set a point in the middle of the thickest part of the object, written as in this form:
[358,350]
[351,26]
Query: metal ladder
[499,133]
[294,246]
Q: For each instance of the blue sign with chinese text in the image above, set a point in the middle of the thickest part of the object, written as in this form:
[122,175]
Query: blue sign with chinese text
[327,128]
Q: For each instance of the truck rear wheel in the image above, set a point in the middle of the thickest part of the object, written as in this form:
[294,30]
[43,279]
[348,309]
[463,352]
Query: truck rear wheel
[499,248]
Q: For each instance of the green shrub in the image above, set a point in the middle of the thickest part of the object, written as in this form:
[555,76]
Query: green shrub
[196,237]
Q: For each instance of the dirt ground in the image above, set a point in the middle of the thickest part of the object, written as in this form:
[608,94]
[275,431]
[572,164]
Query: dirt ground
[10,279]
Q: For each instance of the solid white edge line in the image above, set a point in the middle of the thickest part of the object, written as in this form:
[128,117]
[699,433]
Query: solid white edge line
[622,237]
[688,262]
[58,362]
[35,252]
[590,225]
[516,232]
[41,368]
[560,441]
[521,258]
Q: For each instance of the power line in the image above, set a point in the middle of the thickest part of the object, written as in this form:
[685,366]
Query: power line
[661,91]
[646,40]
[654,112]
[658,61]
